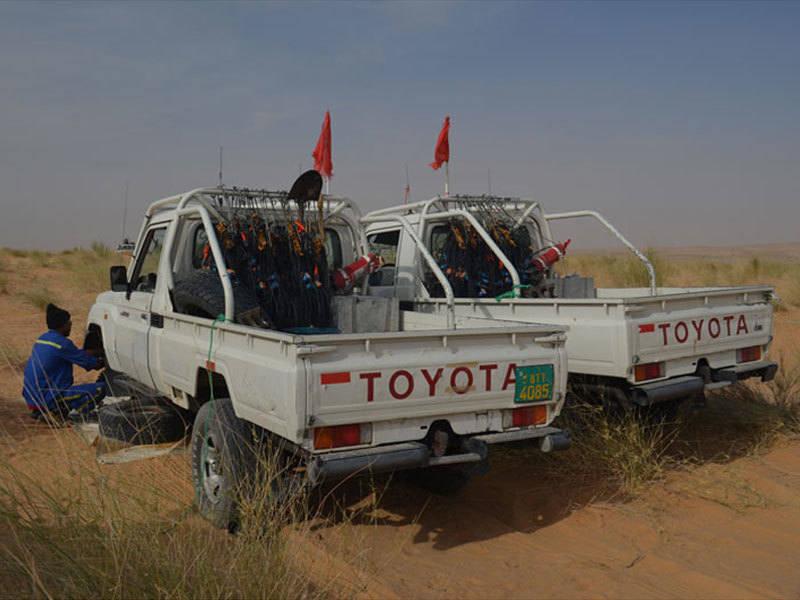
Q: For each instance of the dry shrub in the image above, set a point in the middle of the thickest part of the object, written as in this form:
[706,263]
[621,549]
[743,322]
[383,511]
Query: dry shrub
[745,419]
[11,356]
[39,258]
[100,536]
[621,271]
[39,295]
[3,283]
[88,269]
[617,453]
[614,453]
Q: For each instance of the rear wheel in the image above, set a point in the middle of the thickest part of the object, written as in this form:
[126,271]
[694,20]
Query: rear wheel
[232,463]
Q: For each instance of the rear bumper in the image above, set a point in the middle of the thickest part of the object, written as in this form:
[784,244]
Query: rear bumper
[416,455]
[689,385]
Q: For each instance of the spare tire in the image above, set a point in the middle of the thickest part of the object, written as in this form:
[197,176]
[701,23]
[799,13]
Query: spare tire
[142,422]
[201,294]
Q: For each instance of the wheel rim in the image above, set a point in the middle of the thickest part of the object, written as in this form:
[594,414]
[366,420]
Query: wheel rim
[213,480]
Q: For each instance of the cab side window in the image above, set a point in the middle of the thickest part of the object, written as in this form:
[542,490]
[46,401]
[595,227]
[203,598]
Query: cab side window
[146,270]
[333,250]
[201,253]
[384,243]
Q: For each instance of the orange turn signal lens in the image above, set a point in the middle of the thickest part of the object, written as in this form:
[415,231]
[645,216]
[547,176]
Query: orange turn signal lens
[750,354]
[326,438]
[648,371]
[530,415]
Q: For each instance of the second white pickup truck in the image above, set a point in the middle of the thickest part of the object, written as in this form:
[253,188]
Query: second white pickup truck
[391,389]
[632,346]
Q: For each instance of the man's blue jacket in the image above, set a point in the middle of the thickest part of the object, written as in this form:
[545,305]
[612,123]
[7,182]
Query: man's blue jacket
[48,373]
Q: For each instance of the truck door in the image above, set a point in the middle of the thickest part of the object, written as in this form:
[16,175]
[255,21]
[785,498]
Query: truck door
[133,310]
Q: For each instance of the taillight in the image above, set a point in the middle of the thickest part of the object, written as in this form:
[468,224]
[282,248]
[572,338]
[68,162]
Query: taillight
[338,436]
[530,415]
[749,354]
[649,371]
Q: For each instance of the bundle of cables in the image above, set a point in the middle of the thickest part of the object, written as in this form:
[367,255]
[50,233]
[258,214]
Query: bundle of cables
[472,268]
[283,263]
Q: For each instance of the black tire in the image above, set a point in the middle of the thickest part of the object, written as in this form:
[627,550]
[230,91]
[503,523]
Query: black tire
[230,459]
[223,461]
[142,422]
[201,294]
[440,480]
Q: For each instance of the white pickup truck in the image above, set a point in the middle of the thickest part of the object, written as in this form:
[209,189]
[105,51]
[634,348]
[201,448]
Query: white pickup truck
[632,346]
[393,389]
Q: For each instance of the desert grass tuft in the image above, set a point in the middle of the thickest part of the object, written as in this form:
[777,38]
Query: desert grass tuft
[11,356]
[88,269]
[39,295]
[616,453]
[39,258]
[622,271]
[109,537]
[3,283]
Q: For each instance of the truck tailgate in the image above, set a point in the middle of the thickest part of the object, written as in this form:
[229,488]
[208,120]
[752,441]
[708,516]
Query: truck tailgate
[426,374]
[700,324]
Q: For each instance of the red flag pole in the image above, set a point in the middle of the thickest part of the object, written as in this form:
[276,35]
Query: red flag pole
[442,154]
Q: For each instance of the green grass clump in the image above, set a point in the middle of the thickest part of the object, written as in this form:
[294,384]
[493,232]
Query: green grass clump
[39,296]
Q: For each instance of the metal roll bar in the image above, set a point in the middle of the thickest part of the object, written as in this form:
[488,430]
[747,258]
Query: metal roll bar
[448,289]
[596,215]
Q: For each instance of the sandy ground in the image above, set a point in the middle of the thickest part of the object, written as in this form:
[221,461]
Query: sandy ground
[720,529]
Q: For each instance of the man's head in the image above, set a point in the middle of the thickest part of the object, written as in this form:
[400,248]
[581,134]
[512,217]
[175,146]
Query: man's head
[59,320]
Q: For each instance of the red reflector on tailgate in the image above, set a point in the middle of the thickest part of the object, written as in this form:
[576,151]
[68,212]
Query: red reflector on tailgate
[530,415]
[750,354]
[336,437]
[343,377]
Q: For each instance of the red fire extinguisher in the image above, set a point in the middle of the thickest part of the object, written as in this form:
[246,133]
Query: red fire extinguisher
[549,256]
[346,277]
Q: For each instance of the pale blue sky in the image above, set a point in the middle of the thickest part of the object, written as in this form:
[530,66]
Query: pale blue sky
[679,121]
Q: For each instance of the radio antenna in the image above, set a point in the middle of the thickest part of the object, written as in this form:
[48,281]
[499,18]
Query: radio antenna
[125,210]
[220,166]
[489,177]
[408,187]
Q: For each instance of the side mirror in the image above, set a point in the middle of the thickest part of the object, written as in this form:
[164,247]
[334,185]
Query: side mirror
[119,279]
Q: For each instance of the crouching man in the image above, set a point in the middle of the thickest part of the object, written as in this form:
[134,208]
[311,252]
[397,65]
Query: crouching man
[48,385]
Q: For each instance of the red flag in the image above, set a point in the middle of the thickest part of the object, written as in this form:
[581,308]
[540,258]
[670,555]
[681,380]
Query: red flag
[442,153]
[322,153]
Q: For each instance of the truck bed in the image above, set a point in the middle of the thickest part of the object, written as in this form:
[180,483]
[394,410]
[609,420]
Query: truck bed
[288,383]
[622,327]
